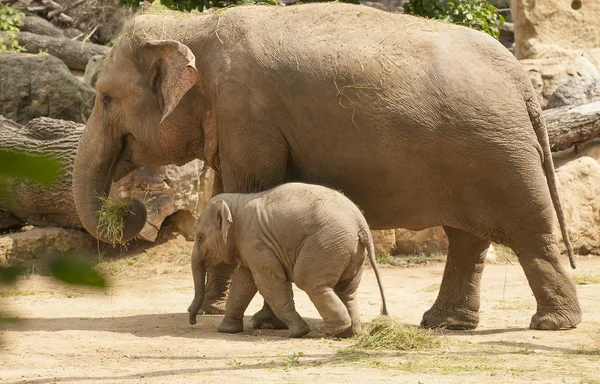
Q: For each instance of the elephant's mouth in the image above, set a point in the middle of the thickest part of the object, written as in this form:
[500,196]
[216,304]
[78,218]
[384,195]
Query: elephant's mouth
[124,165]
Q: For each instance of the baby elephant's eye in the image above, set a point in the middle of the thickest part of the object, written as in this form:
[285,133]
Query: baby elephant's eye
[106,99]
[200,238]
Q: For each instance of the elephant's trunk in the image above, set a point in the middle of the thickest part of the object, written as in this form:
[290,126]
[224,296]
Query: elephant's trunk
[199,274]
[96,157]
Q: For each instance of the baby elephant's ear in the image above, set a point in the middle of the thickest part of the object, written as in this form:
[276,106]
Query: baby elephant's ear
[224,219]
[174,72]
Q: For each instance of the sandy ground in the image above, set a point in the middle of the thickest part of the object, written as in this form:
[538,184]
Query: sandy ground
[137,332]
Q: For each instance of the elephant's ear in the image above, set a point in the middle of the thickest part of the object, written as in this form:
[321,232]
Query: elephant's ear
[174,74]
[224,219]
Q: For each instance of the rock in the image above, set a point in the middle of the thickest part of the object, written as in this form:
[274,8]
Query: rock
[385,242]
[93,68]
[9,221]
[394,6]
[581,88]
[563,80]
[429,241]
[546,28]
[41,85]
[507,35]
[579,188]
[36,243]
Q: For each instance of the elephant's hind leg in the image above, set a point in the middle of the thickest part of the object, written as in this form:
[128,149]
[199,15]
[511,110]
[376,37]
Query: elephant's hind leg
[346,291]
[457,304]
[557,304]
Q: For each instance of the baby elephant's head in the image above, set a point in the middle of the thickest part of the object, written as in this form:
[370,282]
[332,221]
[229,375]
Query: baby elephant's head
[210,247]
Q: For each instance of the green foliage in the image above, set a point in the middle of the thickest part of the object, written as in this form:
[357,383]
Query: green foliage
[10,274]
[10,21]
[43,169]
[477,14]
[76,272]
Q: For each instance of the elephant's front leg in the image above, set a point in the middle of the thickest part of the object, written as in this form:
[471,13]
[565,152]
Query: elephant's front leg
[243,290]
[457,304]
[253,154]
[218,276]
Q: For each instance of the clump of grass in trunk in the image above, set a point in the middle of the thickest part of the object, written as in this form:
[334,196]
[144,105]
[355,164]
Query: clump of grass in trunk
[388,333]
[111,218]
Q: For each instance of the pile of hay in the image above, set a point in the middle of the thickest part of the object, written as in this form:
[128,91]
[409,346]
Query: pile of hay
[387,333]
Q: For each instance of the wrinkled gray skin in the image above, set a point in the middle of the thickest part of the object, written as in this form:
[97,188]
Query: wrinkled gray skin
[419,122]
[306,234]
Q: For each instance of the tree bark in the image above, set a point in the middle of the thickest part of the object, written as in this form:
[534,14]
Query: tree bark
[74,54]
[41,26]
[571,125]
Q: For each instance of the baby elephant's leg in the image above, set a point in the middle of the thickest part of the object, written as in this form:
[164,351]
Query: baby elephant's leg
[346,291]
[274,286]
[241,293]
[332,310]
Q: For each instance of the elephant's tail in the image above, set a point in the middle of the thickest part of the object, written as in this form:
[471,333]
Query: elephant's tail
[365,238]
[539,126]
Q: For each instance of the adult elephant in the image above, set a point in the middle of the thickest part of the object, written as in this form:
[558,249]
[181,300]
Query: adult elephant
[420,123]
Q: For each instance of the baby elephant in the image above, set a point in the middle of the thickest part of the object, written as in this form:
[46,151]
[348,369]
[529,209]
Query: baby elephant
[306,234]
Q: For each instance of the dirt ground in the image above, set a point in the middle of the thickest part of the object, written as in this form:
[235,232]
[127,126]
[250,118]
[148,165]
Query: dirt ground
[137,332]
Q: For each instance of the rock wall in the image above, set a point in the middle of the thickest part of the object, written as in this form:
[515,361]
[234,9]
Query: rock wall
[41,85]
[547,28]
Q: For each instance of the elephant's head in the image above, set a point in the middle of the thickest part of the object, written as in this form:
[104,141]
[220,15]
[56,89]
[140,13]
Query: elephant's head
[210,247]
[147,112]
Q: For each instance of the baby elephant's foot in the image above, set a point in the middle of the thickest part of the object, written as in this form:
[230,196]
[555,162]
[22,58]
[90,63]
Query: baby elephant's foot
[213,308]
[266,319]
[231,326]
[299,330]
[349,332]
[555,320]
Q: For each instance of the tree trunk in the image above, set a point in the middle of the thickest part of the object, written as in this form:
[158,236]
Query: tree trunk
[167,191]
[41,26]
[571,125]
[75,54]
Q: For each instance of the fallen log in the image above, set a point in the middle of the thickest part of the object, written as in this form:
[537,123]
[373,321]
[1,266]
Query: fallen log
[571,125]
[41,26]
[74,54]
[177,191]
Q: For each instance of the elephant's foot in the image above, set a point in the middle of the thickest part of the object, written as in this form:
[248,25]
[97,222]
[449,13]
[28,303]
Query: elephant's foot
[348,332]
[299,330]
[231,326]
[556,320]
[266,319]
[458,320]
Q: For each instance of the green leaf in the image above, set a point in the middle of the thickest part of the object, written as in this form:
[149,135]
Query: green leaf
[76,272]
[39,168]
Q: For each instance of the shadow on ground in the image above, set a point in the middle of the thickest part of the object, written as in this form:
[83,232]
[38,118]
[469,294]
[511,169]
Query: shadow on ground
[154,325]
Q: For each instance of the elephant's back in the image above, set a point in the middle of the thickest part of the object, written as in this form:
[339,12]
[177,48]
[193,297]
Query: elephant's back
[311,205]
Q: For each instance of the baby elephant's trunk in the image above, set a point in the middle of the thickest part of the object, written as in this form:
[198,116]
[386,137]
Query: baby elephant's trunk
[199,274]
[364,235]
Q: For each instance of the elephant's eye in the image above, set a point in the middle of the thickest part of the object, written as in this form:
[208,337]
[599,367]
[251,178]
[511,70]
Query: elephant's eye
[155,80]
[200,238]
[106,99]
